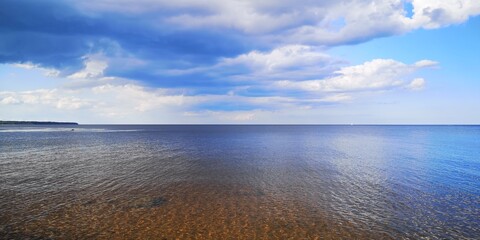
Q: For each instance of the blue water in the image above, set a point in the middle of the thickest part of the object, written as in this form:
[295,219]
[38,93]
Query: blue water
[240,181]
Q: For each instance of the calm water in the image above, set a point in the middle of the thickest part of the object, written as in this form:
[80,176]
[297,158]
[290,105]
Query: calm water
[249,182]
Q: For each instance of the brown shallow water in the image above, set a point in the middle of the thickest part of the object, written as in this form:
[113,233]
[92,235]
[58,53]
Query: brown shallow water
[185,211]
[240,182]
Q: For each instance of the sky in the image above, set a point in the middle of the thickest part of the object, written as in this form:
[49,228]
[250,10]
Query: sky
[240,61]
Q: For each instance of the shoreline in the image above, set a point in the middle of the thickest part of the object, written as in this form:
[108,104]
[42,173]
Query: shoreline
[36,123]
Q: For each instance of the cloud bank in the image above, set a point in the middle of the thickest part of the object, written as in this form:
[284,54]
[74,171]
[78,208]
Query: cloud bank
[227,60]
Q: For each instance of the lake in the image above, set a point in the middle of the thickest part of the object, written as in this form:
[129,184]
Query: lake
[239,182]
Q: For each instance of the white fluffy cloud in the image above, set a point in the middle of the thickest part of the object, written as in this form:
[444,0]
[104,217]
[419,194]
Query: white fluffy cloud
[289,61]
[310,69]
[438,13]
[285,57]
[416,84]
[378,74]
[94,68]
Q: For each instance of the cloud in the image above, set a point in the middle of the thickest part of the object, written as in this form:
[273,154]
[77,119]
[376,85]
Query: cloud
[129,98]
[60,35]
[416,84]
[289,61]
[106,103]
[238,59]
[49,72]
[93,68]
[283,60]
[438,13]
[260,90]
[305,22]
[48,97]
[9,100]
[90,89]
[426,63]
[378,74]
[199,32]
[118,102]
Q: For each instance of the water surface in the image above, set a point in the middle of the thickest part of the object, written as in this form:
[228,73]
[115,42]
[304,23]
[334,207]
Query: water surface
[247,182]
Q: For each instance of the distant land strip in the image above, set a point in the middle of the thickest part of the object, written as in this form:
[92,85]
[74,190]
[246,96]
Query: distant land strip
[37,123]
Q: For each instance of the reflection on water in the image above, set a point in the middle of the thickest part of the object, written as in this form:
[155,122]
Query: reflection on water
[216,182]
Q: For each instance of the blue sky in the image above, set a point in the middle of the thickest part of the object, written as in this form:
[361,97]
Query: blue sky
[231,61]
